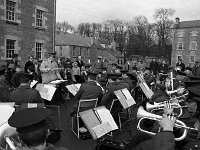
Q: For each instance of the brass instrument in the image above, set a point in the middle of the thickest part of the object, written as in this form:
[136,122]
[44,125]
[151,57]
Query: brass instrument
[6,132]
[158,106]
[142,114]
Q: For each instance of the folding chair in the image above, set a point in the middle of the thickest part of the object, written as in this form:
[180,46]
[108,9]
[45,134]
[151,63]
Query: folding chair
[82,106]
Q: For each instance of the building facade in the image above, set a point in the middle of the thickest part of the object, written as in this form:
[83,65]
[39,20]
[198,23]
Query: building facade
[186,42]
[26,28]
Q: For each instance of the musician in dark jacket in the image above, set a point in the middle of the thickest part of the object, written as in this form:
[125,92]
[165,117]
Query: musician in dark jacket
[16,77]
[29,63]
[25,94]
[13,61]
[32,128]
[163,67]
[180,64]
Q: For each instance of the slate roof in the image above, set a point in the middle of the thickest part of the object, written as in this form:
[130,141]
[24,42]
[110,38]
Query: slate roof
[189,24]
[115,53]
[62,38]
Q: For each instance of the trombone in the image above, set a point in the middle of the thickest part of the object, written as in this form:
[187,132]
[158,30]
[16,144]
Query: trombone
[142,114]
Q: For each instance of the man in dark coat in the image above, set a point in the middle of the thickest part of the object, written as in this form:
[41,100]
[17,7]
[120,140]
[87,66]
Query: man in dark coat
[16,77]
[180,64]
[5,89]
[29,63]
[196,69]
[14,60]
[154,66]
[25,94]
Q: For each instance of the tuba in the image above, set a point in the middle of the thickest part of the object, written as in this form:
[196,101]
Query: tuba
[142,114]
[6,142]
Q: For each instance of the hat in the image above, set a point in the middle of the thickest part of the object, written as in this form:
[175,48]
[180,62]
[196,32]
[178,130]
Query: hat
[188,68]
[52,53]
[194,92]
[92,73]
[2,69]
[181,73]
[124,71]
[192,83]
[111,76]
[24,75]
[29,119]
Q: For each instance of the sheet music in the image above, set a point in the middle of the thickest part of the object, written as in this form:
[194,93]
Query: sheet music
[57,81]
[102,129]
[129,99]
[46,91]
[73,88]
[105,116]
[5,112]
[33,83]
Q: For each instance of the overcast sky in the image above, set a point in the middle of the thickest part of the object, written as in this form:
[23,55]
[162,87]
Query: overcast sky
[77,11]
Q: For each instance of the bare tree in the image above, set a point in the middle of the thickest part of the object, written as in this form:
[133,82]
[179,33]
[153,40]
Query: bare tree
[64,27]
[163,27]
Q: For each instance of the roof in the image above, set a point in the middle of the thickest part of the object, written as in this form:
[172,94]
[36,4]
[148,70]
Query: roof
[115,53]
[62,38]
[189,24]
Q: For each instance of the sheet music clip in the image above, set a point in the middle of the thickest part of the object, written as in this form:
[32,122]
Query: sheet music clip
[125,98]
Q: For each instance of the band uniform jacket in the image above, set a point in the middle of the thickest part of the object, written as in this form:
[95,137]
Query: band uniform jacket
[25,94]
[28,64]
[48,76]
[161,141]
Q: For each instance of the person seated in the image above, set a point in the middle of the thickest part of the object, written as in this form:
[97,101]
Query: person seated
[31,126]
[127,79]
[24,93]
[4,87]
[88,90]
[31,71]
[16,76]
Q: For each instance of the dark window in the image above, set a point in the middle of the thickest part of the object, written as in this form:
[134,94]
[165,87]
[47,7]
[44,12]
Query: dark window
[39,18]
[10,48]
[38,50]
[10,10]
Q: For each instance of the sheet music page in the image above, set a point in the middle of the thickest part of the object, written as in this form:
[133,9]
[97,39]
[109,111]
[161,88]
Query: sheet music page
[72,89]
[33,83]
[50,92]
[77,86]
[102,129]
[105,116]
[57,81]
[129,99]
[5,113]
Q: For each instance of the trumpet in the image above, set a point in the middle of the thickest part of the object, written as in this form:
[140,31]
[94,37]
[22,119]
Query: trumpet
[161,106]
[142,114]
[6,142]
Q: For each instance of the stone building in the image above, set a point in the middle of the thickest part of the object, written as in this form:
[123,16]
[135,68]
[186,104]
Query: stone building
[186,41]
[26,28]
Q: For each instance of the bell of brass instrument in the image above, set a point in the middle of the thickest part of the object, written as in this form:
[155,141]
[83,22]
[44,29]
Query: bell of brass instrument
[6,132]
[158,106]
[142,114]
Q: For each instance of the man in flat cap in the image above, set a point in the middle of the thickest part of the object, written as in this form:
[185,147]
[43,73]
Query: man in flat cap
[49,69]
[24,93]
[31,125]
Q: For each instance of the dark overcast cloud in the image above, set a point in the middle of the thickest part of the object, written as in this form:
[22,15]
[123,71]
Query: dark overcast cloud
[76,11]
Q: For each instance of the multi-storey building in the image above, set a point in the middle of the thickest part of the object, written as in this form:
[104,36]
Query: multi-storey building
[26,28]
[186,41]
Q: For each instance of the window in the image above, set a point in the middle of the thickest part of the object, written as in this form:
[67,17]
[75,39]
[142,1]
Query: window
[10,48]
[193,45]
[179,57]
[38,51]
[39,18]
[192,59]
[73,51]
[180,46]
[61,51]
[10,10]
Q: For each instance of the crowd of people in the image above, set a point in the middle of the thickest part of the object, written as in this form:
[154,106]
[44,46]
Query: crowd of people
[100,83]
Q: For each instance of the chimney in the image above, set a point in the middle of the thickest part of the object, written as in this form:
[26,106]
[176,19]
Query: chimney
[177,22]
